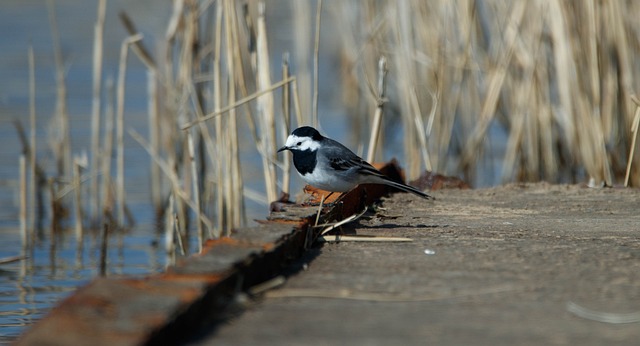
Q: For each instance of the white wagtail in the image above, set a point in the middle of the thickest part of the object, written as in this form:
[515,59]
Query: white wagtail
[328,165]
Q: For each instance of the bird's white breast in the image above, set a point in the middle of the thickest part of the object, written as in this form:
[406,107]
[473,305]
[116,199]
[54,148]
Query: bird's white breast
[328,182]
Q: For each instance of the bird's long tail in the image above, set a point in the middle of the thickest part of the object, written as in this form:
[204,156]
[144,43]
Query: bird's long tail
[407,188]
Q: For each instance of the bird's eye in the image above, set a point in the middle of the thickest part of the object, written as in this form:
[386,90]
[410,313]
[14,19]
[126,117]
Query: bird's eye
[299,144]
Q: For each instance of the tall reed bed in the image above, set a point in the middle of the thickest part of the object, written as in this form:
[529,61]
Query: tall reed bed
[544,88]
[552,79]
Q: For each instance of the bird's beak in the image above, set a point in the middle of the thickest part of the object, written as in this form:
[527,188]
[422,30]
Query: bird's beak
[283,148]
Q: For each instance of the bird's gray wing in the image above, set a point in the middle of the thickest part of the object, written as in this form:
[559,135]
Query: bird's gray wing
[341,158]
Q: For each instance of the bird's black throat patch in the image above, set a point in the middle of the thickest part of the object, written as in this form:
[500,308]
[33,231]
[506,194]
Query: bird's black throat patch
[305,161]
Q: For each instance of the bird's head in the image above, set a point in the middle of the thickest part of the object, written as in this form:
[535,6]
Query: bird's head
[303,138]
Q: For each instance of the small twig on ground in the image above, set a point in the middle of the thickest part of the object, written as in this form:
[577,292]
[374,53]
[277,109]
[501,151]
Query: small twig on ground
[319,210]
[363,238]
[345,221]
[383,297]
[267,285]
[604,317]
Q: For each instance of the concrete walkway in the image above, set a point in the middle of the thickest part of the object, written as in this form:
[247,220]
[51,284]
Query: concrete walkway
[516,265]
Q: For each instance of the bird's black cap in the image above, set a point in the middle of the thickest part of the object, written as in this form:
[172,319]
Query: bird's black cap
[307,131]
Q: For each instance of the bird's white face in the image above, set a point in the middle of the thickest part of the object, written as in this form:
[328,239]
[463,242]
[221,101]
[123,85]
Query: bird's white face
[301,143]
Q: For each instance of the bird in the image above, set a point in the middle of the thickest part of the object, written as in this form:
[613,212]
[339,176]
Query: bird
[328,165]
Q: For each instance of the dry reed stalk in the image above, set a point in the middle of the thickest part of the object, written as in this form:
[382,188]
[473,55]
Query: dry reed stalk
[405,67]
[210,150]
[634,137]
[180,210]
[265,108]
[78,199]
[179,235]
[196,190]
[218,127]
[380,101]
[107,146]
[184,84]
[104,247]
[296,100]
[32,142]
[302,33]
[98,43]
[169,233]
[562,58]
[625,61]
[56,211]
[286,123]
[120,192]
[242,101]
[316,55]
[61,144]
[573,123]
[154,134]
[231,125]
[22,164]
[235,206]
[420,129]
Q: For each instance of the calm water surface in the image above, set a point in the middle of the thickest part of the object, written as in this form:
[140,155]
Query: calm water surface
[56,265]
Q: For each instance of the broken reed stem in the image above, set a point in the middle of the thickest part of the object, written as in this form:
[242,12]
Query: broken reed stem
[78,200]
[62,148]
[23,202]
[122,69]
[265,107]
[55,215]
[107,194]
[286,123]
[634,137]
[420,129]
[104,246]
[316,53]
[232,131]
[296,102]
[234,69]
[240,102]
[169,236]
[179,234]
[363,239]
[32,141]
[98,34]
[210,150]
[196,190]
[344,221]
[154,129]
[377,117]
[218,127]
[319,210]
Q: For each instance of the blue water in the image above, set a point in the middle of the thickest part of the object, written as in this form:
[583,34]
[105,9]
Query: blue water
[29,288]
[55,266]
